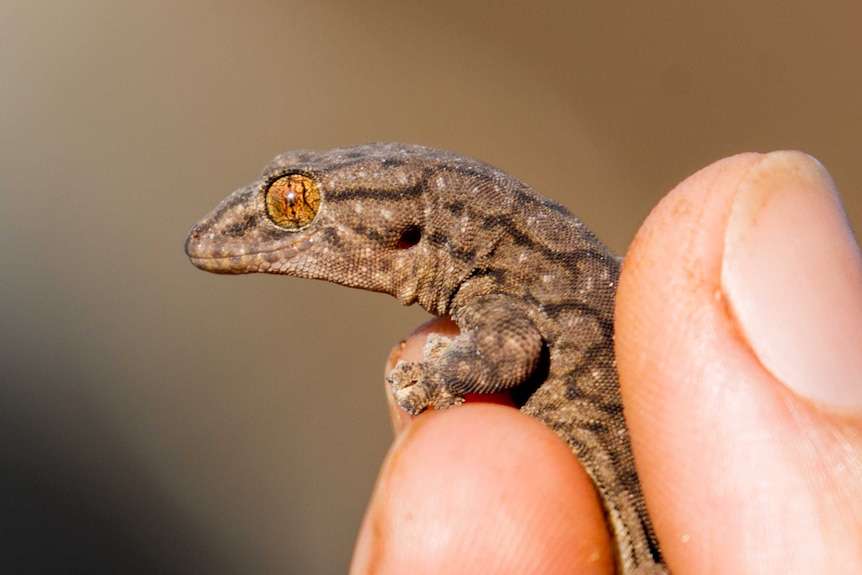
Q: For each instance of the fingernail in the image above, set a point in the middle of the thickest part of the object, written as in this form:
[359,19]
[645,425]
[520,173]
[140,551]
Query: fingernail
[792,275]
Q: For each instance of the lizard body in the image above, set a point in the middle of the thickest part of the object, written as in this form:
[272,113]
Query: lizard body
[531,288]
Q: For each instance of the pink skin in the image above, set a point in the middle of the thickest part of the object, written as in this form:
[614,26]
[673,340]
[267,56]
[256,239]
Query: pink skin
[740,358]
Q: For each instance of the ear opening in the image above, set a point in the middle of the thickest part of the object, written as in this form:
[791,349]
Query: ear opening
[410,236]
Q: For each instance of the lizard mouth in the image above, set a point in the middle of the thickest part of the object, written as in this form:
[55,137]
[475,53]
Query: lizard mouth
[213,254]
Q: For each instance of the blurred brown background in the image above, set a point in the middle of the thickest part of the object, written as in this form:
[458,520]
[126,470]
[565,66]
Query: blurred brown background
[154,418]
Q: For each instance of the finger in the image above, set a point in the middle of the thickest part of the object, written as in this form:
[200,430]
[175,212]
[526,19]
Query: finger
[482,489]
[739,350]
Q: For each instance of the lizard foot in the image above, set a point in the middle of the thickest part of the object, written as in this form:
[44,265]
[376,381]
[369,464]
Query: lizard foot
[435,345]
[415,388]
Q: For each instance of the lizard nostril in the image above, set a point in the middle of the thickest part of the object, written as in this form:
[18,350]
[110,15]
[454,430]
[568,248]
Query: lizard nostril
[409,237]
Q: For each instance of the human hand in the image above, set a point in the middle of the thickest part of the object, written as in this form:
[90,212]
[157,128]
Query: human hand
[739,347]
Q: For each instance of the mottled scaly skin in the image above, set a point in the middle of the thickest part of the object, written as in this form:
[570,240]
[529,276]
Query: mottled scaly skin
[531,288]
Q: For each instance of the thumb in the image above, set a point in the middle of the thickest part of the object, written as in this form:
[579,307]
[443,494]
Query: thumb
[739,342]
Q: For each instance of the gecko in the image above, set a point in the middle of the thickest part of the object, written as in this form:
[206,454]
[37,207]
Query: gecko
[529,285]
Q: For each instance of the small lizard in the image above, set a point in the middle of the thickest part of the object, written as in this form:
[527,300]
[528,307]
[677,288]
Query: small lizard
[531,288]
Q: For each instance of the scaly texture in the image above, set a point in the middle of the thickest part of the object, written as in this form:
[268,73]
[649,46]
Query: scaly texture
[531,288]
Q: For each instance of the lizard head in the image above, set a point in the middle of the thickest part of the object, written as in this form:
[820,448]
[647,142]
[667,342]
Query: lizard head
[382,217]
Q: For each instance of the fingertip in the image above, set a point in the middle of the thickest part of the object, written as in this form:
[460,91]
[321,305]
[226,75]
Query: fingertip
[482,488]
[714,426]
[670,320]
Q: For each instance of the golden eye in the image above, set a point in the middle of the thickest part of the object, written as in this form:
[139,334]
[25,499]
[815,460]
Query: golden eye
[292,201]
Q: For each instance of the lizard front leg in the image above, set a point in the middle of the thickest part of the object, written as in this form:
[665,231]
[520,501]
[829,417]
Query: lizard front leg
[499,348]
